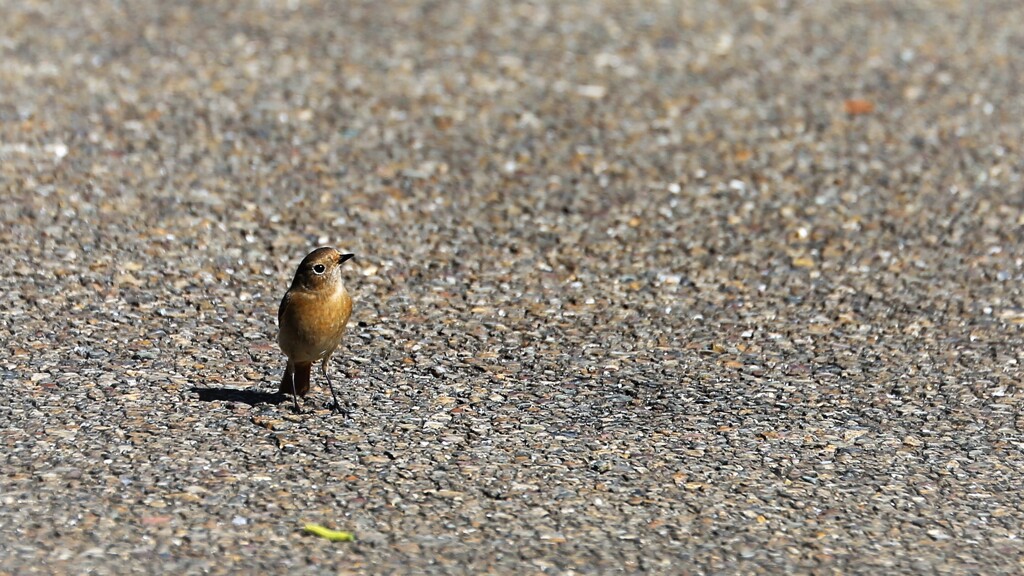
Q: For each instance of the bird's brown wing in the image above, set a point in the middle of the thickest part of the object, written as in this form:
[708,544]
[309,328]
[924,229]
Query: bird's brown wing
[283,306]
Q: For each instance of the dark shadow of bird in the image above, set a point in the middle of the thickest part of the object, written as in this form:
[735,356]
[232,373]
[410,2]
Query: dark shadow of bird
[250,397]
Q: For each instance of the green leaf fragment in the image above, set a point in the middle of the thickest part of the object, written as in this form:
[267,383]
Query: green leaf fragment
[332,535]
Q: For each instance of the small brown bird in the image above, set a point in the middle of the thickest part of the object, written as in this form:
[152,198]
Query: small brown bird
[312,319]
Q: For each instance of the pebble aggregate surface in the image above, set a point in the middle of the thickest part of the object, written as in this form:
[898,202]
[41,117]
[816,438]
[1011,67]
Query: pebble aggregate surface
[669,287]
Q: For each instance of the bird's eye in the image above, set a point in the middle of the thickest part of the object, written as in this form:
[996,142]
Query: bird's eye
[319,268]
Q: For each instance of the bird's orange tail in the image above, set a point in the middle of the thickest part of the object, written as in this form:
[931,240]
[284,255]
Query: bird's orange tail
[302,370]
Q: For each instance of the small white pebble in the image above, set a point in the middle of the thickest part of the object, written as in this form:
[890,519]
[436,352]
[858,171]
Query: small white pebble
[60,150]
[592,91]
[724,44]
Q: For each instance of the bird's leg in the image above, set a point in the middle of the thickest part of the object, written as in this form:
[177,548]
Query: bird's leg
[337,405]
[295,394]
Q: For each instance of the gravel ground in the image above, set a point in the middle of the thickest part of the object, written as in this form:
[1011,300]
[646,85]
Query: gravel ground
[678,287]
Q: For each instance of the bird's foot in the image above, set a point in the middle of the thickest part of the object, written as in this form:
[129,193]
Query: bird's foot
[337,409]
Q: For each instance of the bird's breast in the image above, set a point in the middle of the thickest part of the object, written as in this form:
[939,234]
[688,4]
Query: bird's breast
[312,322]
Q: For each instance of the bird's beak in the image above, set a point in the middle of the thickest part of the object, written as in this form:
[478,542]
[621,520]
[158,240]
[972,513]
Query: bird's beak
[345,258]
